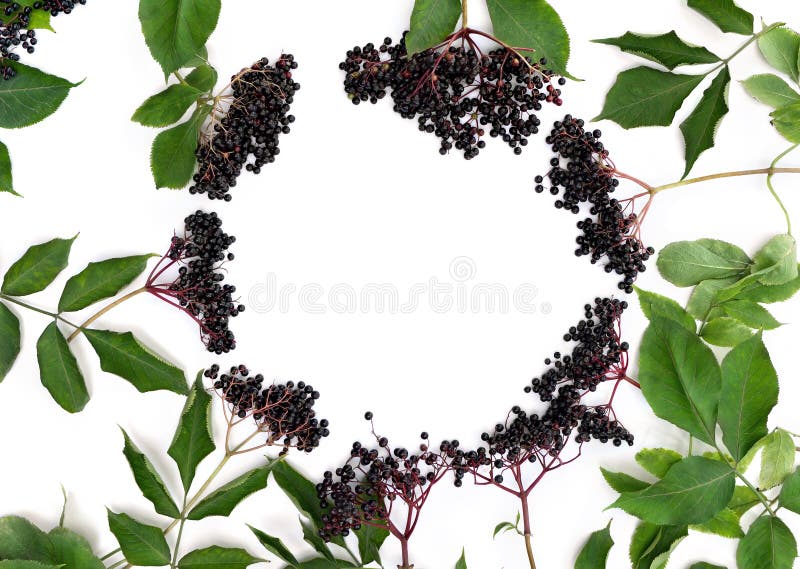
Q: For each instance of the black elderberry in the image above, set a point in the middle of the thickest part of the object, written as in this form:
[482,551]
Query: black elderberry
[455,92]
[247,135]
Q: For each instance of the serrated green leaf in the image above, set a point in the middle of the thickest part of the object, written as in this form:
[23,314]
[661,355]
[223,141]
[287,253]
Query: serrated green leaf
[99,281]
[312,537]
[193,440]
[667,49]
[72,551]
[724,524]
[769,544]
[704,296]
[222,501]
[700,127]
[768,294]
[10,346]
[680,378]
[727,16]
[777,459]
[37,268]
[751,314]
[776,262]
[532,24]
[621,482]
[216,557]
[743,500]
[31,97]
[687,263]
[692,492]
[462,561]
[172,157]
[40,20]
[657,461]
[6,181]
[594,554]
[275,546]
[200,58]
[177,30]
[780,48]
[167,107]
[725,331]
[124,356]
[20,539]
[203,77]
[649,541]
[661,560]
[59,371]
[370,541]
[657,305]
[749,392]
[431,22]
[643,96]
[786,120]
[24,564]
[149,480]
[790,492]
[141,544]
[770,90]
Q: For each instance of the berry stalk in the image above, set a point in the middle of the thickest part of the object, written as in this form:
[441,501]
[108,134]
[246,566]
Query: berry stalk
[103,311]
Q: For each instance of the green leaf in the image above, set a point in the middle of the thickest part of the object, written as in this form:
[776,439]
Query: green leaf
[700,126]
[743,500]
[687,263]
[749,392]
[621,482]
[312,537]
[276,547]
[59,370]
[370,541]
[657,461]
[594,554]
[504,527]
[661,560]
[31,97]
[724,524]
[786,120]
[149,480]
[770,90]
[667,49]
[692,492]
[790,492]
[216,557]
[24,564]
[657,305]
[193,440]
[776,262]
[141,544]
[704,565]
[649,541]
[727,16]
[751,314]
[177,30]
[780,48]
[99,281]
[680,378]
[462,561]
[222,501]
[532,24]
[172,158]
[704,296]
[725,331]
[301,491]
[10,346]
[166,107]
[758,292]
[198,59]
[202,78]
[431,22]
[20,539]
[6,181]
[777,459]
[123,355]
[72,551]
[643,96]
[38,267]
[769,544]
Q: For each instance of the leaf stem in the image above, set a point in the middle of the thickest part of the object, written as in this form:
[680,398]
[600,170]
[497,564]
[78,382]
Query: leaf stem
[772,189]
[110,554]
[758,493]
[103,311]
[769,171]
[39,310]
[464,14]
[529,549]
[174,563]
[742,47]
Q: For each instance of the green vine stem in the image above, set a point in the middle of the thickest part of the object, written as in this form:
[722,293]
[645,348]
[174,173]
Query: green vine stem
[39,310]
[102,311]
[771,171]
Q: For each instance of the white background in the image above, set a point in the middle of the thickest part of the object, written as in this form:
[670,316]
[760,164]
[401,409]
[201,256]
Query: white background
[358,196]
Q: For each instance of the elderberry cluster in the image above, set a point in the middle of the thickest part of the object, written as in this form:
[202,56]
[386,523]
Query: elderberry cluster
[598,356]
[198,288]
[284,412]
[364,490]
[581,174]
[260,101]
[15,32]
[455,92]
